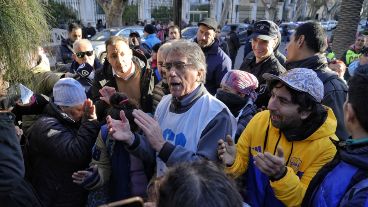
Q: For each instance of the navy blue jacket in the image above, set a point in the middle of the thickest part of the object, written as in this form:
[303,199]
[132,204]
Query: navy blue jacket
[218,64]
[58,147]
[329,189]
[66,53]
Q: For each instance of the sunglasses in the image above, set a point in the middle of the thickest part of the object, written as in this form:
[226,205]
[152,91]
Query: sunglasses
[82,54]
[178,65]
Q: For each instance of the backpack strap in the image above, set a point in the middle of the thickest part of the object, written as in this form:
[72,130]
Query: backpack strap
[104,133]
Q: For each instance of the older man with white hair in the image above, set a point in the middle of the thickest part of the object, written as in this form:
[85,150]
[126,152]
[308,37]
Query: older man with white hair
[188,122]
[84,63]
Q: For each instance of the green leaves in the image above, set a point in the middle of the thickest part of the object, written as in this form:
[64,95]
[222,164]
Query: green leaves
[23,28]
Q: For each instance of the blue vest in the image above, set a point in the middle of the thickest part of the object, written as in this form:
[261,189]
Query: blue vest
[334,186]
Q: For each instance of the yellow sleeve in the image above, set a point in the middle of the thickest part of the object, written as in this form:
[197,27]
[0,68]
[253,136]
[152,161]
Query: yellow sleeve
[290,189]
[103,164]
[242,154]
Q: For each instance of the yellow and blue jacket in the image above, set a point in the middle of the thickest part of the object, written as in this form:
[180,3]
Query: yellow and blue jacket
[303,160]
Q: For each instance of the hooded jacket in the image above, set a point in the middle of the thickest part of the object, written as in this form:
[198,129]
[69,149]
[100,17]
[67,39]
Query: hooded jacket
[58,147]
[351,162]
[335,90]
[218,64]
[303,159]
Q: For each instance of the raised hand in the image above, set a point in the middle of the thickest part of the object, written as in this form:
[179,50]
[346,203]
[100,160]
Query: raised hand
[120,129]
[271,165]
[150,128]
[106,92]
[89,109]
[226,151]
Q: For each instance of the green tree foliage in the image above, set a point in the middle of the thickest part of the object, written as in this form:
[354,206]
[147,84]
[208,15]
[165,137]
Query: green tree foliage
[130,14]
[23,27]
[162,13]
[59,13]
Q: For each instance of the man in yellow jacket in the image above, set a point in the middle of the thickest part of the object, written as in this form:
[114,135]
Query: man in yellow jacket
[282,148]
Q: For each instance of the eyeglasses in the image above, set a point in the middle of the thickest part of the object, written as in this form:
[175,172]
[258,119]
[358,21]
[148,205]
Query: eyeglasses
[178,65]
[82,54]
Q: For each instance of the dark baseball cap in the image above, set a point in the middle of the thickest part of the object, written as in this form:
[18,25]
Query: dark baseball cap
[209,22]
[265,30]
[134,33]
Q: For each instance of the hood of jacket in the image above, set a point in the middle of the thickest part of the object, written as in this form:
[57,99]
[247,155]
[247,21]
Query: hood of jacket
[327,129]
[356,155]
[316,62]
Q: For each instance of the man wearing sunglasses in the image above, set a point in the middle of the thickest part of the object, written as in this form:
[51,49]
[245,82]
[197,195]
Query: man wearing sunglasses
[84,63]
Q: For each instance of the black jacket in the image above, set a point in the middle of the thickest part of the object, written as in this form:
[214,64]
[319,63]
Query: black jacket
[65,51]
[234,43]
[105,77]
[335,89]
[14,190]
[269,65]
[58,146]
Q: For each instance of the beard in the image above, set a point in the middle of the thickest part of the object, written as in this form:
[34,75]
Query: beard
[285,122]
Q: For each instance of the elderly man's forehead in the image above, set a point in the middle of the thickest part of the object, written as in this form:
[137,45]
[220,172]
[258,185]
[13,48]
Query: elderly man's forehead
[175,55]
[84,45]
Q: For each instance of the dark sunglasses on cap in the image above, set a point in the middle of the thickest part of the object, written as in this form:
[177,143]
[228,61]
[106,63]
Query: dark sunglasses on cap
[82,54]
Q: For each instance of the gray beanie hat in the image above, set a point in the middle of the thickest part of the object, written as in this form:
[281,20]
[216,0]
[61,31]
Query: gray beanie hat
[68,92]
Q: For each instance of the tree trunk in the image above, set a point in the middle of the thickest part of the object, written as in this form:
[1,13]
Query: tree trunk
[271,8]
[212,8]
[114,11]
[225,12]
[345,32]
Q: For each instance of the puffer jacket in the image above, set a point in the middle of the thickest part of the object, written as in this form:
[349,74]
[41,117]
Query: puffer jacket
[335,89]
[328,189]
[58,146]
[303,159]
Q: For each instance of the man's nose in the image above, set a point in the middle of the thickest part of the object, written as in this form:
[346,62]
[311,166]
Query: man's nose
[272,104]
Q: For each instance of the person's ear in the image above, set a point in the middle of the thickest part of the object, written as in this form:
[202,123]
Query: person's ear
[350,113]
[200,75]
[300,41]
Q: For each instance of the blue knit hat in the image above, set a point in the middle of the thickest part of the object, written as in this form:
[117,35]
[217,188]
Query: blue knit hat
[68,92]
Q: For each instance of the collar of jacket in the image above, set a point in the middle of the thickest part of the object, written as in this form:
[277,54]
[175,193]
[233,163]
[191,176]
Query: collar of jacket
[316,62]
[354,153]
[308,127]
[54,111]
[183,105]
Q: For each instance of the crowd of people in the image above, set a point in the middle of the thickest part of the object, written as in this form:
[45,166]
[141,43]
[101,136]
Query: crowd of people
[173,122]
